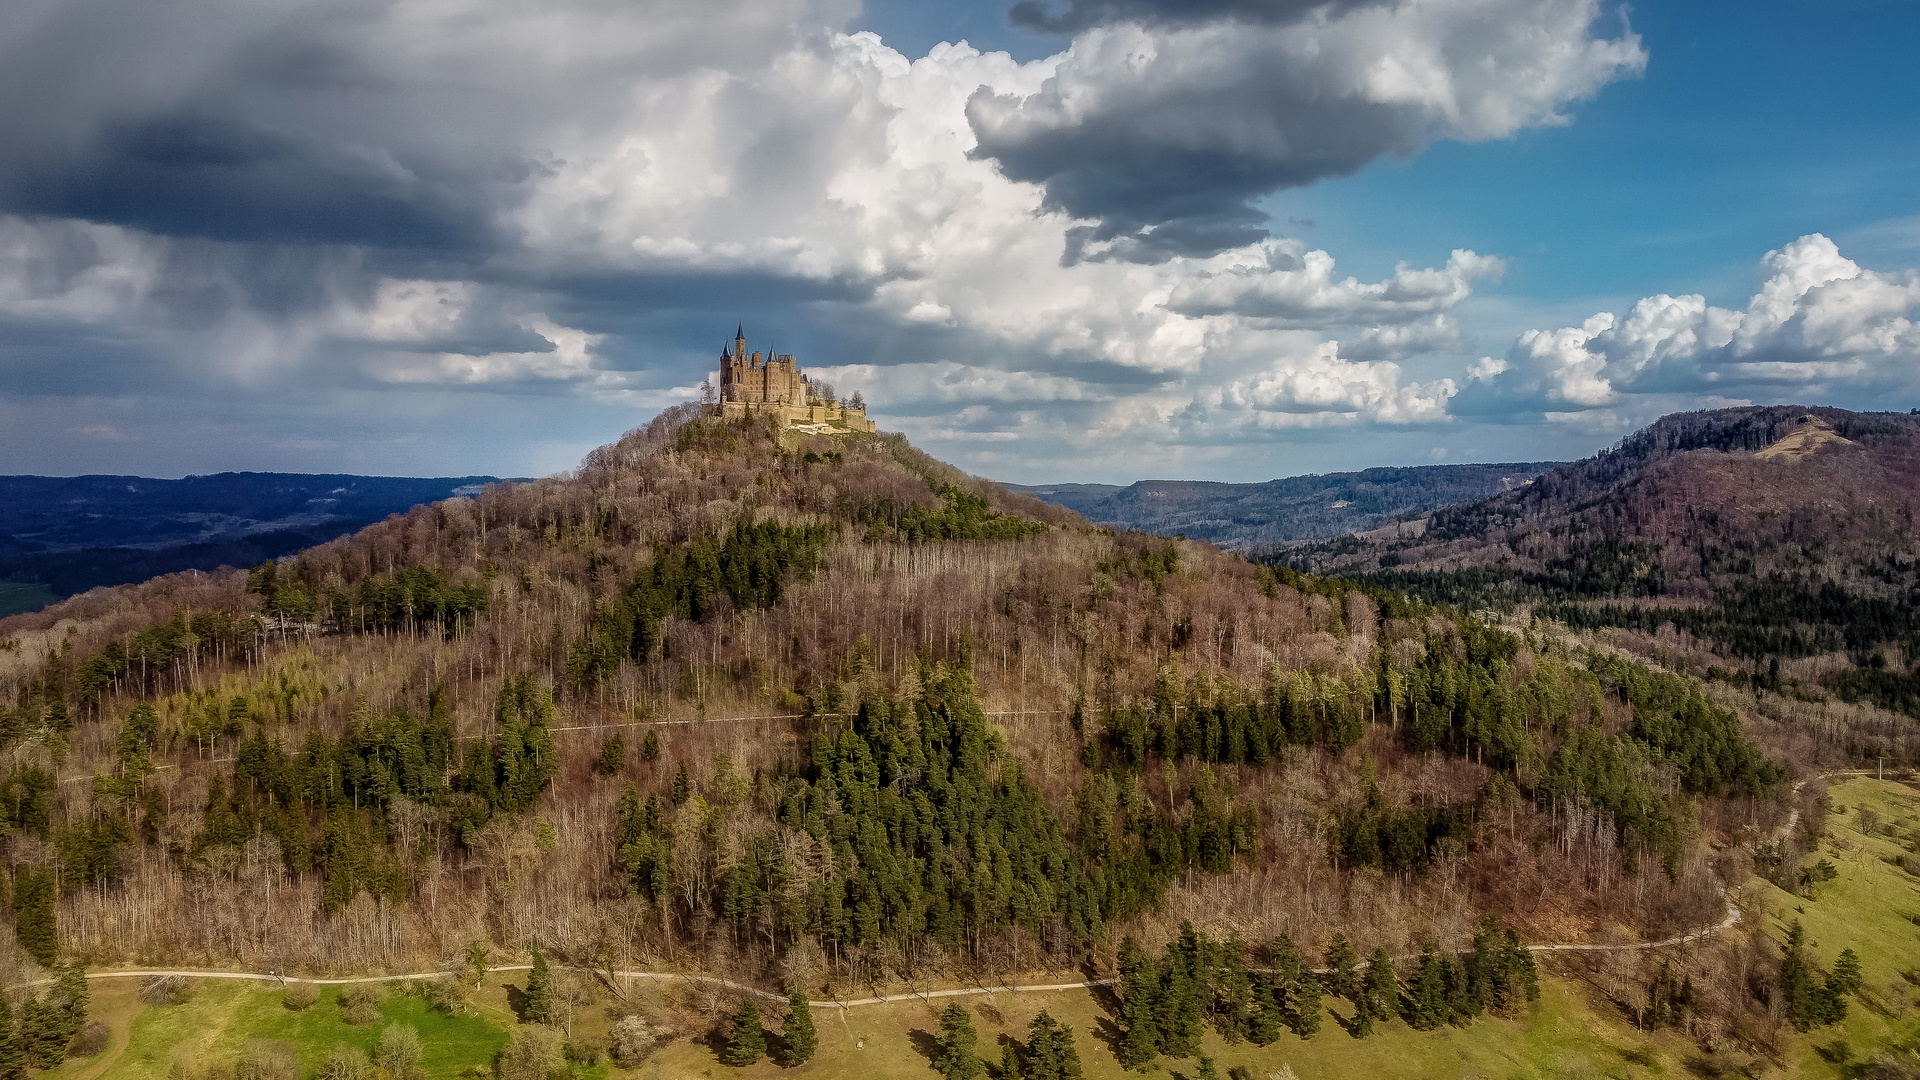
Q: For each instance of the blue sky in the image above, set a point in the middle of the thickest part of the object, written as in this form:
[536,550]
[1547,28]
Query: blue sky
[1230,240]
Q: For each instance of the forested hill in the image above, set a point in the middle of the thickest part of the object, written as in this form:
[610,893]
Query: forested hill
[819,714]
[73,533]
[1250,516]
[1775,544]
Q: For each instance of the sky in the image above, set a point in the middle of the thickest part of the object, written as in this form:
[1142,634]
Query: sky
[1051,241]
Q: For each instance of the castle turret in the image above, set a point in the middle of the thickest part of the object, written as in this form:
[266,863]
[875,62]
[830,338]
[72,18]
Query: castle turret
[740,341]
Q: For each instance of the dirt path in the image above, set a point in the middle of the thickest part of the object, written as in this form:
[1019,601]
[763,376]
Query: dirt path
[1731,919]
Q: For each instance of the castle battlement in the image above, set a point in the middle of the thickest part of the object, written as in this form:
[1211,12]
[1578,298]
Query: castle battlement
[772,385]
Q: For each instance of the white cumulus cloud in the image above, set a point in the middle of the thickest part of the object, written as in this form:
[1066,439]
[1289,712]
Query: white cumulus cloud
[1816,321]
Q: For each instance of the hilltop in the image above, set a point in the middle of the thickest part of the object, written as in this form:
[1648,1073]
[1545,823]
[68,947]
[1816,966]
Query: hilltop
[1242,517]
[823,713]
[1774,545]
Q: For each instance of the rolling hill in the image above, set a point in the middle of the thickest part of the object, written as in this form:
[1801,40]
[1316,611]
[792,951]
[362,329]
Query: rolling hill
[1764,544]
[1244,517]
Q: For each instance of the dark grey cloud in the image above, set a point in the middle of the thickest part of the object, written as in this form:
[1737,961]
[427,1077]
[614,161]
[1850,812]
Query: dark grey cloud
[1165,121]
[1042,17]
[203,174]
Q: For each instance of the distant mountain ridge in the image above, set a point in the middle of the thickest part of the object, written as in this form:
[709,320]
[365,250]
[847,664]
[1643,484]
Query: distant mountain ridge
[73,533]
[1249,516]
[1763,535]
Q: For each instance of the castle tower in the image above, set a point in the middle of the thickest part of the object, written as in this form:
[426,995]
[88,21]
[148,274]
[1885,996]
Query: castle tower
[740,341]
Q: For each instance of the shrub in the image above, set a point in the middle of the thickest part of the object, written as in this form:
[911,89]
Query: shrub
[360,1004]
[166,990]
[633,1040]
[536,1053]
[443,995]
[300,996]
[345,1063]
[92,1039]
[268,1059]
[399,1051]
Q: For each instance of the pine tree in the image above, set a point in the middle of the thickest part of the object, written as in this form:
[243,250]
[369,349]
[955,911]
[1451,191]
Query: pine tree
[748,1041]
[40,1043]
[1306,1005]
[1177,1013]
[539,1008]
[1051,1054]
[72,999]
[1382,986]
[650,746]
[1207,1071]
[1139,993]
[33,915]
[1846,973]
[1524,968]
[1363,1011]
[1342,978]
[1010,1062]
[1268,1021]
[13,1060]
[955,1059]
[799,1035]
[612,760]
[1429,992]
[682,786]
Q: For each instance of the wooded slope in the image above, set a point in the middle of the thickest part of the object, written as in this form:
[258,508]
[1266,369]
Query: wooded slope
[812,711]
[1773,543]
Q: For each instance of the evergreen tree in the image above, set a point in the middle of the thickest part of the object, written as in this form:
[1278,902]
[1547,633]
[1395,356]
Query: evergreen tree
[1051,1054]
[682,785]
[1306,1005]
[612,759]
[747,1043]
[40,1043]
[1846,978]
[1363,1010]
[72,1000]
[1010,1062]
[13,1060]
[1798,991]
[1341,963]
[1207,1071]
[1382,986]
[1139,994]
[33,915]
[539,1008]
[799,1035]
[1428,994]
[1177,1013]
[1268,1019]
[1526,971]
[650,746]
[955,1059]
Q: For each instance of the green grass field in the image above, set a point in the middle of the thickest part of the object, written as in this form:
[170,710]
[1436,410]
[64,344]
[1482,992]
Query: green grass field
[222,1016]
[1564,1037]
[1572,1033]
[19,596]
[1869,908]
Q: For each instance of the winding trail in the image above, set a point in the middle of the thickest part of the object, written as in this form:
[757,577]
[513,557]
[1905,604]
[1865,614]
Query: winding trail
[1731,919]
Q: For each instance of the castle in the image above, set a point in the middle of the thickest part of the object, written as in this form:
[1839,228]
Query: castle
[751,385]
